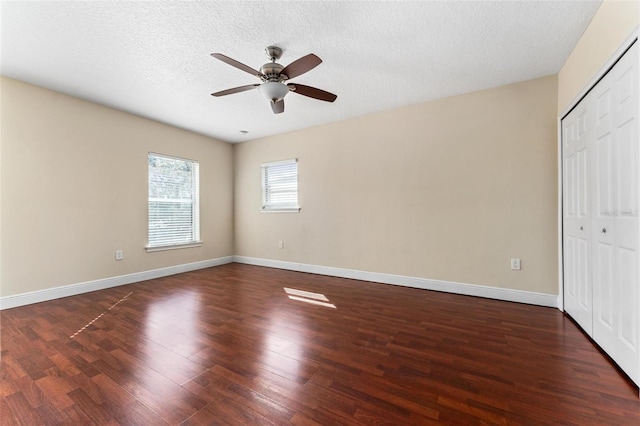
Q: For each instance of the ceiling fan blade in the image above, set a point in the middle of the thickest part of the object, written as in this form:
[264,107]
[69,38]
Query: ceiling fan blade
[235,90]
[239,65]
[277,107]
[302,65]
[313,92]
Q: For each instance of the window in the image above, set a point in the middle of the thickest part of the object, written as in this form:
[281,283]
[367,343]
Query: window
[280,186]
[174,208]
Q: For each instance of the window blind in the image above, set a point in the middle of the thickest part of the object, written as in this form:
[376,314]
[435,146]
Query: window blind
[280,185]
[174,208]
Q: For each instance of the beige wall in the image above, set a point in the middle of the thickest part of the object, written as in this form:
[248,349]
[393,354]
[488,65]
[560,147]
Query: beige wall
[447,190]
[74,189]
[609,28]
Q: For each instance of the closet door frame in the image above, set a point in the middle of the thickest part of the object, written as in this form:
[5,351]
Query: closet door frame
[634,37]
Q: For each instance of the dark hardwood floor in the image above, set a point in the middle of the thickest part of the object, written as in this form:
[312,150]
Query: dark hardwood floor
[227,345]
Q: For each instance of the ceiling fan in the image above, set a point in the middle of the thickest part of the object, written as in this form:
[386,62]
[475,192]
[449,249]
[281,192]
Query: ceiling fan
[274,78]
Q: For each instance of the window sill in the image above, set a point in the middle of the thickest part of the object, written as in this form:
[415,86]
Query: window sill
[173,247]
[292,210]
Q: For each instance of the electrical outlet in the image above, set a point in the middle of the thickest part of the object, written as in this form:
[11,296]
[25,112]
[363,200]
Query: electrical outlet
[515,264]
[281,244]
[119,255]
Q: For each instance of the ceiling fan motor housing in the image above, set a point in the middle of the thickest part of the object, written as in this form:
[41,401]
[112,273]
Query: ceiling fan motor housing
[272,71]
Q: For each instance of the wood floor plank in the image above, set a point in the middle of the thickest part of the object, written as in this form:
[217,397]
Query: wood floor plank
[29,390]
[226,345]
[16,409]
[121,405]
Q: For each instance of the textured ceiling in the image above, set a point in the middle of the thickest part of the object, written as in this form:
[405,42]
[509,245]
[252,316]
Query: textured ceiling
[153,58]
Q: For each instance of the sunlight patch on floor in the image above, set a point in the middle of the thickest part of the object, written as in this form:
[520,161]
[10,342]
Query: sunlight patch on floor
[309,297]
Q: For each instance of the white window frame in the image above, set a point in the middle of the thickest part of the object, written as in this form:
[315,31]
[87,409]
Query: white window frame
[191,238]
[277,182]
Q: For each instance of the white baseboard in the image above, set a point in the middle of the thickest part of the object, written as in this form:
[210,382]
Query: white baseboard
[528,297]
[73,289]
[532,298]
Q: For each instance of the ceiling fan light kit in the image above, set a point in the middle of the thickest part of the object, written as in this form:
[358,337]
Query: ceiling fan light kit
[274,76]
[273,90]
